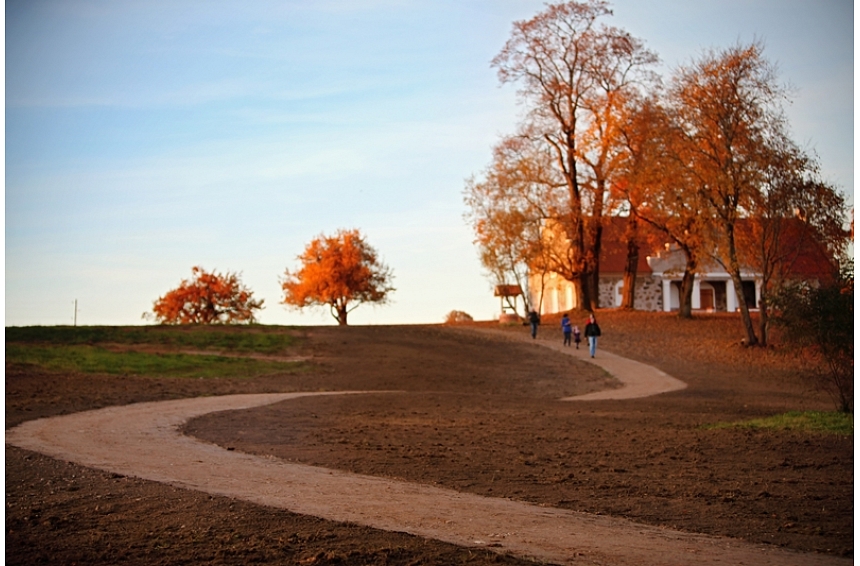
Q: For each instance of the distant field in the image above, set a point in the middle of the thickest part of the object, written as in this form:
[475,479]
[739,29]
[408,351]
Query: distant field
[198,351]
[245,339]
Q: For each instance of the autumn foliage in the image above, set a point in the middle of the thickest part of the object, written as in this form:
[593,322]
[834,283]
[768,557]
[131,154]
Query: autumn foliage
[208,298]
[706,165]
[340,271]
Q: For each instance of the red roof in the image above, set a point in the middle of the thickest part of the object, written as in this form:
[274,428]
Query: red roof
[613,247]
[805,257]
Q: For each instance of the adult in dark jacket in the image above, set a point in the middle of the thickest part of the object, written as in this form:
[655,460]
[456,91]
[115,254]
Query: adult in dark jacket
[592,331]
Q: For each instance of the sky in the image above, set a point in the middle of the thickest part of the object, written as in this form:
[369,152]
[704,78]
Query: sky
[147,137]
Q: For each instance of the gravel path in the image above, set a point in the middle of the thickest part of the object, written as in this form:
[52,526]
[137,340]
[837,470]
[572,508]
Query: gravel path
[143,440]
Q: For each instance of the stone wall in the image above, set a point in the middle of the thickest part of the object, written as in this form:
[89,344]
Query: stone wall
[649,293]
[607,291]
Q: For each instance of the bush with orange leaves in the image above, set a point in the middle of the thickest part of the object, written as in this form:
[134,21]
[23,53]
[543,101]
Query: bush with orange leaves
[341,272]
[208,298]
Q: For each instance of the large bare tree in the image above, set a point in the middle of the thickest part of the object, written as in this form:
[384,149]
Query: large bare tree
[575,74]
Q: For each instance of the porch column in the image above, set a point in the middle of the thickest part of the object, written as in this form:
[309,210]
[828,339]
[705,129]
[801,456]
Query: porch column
[697,294]
[667,295]
[731,296]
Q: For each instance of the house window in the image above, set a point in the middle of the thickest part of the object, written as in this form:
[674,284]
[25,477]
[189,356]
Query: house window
[749,294]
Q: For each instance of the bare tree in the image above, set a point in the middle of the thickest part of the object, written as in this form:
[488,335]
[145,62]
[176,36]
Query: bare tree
[575,74]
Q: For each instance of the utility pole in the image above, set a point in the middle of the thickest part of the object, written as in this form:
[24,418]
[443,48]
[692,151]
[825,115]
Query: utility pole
[76,312]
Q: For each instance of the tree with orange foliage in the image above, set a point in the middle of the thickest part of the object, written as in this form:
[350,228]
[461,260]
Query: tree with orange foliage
[341,272]
[576,74]
[209,298]
[729,108]
[661,192]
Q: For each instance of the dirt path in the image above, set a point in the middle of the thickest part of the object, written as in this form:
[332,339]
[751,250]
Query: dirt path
[142,440]
[637,379]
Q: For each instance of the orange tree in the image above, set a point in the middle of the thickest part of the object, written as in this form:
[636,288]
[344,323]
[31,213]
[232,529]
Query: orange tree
[341,272]
[208,298]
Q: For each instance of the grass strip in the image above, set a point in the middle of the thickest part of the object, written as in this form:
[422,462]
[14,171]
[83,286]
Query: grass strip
[830,422]
[93,359]
[240,339]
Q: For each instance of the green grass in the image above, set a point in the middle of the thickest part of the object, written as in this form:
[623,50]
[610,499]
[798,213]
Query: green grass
[829,422]
[93,359]
[233,339]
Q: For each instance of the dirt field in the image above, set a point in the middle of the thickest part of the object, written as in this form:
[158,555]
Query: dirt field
[475,413]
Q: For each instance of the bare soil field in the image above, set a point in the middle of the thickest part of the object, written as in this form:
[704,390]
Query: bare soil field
[472,412]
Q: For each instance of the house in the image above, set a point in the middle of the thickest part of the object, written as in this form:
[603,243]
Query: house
[659,273]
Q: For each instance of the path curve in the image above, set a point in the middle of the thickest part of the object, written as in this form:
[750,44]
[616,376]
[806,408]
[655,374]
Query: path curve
[143,440]
[637,379]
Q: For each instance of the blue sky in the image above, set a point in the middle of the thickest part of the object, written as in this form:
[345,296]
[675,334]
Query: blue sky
[146,137]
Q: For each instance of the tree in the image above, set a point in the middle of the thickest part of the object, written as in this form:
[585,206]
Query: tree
[821,319]
[342,272]
[575,76]
[753,178]
[795,219]
[660,191]
[508,210]
[208,298]
[729,109]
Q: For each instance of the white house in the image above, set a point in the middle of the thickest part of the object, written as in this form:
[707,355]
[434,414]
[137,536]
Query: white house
[658,278]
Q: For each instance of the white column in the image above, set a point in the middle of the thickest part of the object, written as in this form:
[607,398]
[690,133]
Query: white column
[667,295]
[731,297]
[758,284]
[697,295]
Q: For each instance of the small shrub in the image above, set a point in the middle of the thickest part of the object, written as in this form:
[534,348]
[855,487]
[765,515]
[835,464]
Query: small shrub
[458,317]
[821,320]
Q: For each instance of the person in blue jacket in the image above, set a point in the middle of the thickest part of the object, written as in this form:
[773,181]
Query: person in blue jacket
[566,328]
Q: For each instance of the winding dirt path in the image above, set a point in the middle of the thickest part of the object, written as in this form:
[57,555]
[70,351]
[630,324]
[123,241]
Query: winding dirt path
[637,379]
[143,440]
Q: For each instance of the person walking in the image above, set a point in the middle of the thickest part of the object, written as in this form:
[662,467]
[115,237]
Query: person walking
[577,336]
[566,329]
[534,320]
[592,331]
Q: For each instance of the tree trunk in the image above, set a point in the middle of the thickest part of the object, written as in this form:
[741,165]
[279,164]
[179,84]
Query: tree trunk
[764,320]
[585,282]
[735,272]
[685,297]
[628,296]
[746,318]
[339,313]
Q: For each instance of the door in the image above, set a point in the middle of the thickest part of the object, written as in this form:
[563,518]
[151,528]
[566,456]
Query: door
[706,298]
